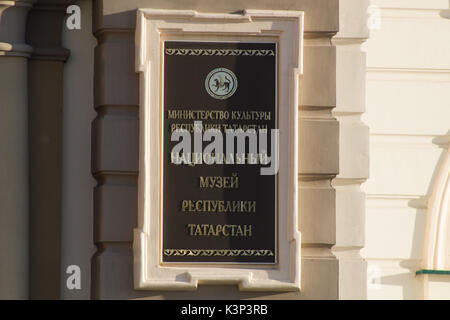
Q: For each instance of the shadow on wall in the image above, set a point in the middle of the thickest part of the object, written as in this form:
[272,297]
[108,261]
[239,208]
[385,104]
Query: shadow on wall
[445,13]
[412,286]
[405,280]
[422,203]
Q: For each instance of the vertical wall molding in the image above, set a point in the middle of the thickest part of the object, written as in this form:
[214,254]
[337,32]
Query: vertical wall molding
[45,85]
[437,248]
[14,54]
[354,148]
[318,165]
[115,140]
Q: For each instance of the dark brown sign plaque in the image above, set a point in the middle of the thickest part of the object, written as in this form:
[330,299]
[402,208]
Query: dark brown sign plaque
[218,213]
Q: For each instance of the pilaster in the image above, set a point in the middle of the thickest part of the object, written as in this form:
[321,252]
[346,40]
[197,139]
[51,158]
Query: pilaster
[45,83]
[115,141]
[318,165]
[14,54]
[353,148]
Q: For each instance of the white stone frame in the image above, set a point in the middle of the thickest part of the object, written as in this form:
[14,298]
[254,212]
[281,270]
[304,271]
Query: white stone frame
[437,248]
[151,29]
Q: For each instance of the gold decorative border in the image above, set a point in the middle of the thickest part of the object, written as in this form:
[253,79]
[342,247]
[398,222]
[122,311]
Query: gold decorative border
[219,52]
[217,253]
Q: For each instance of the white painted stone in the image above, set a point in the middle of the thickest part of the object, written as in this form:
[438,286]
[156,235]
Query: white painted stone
[353,147]
[402,165]
[403,102]
[394,233]
[352,277]
[410,39]
[437,287]
[412,4]
[353,150]
[437,246]
[393,280]
[350,77]
[353,19]
[350,217]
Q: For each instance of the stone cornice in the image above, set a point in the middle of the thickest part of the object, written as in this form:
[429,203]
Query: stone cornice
[44,30]
[21,3]
[24,34]
[13,18]
[15,49]
[57,53]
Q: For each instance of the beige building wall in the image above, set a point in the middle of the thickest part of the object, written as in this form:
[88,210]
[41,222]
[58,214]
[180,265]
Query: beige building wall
[78,205]
[14,164]
[408,94]
[353,147]
[359,227]
[115,149]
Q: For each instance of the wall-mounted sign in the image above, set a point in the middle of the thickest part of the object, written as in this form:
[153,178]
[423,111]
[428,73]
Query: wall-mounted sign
[218,157]
[217,205]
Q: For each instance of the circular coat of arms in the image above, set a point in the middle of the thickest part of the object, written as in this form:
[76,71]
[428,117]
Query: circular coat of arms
[221,83]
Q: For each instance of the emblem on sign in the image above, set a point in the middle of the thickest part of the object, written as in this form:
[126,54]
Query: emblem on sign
[221,83]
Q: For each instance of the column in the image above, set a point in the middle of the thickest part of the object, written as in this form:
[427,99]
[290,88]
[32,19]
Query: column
[14,54]
[45,83]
